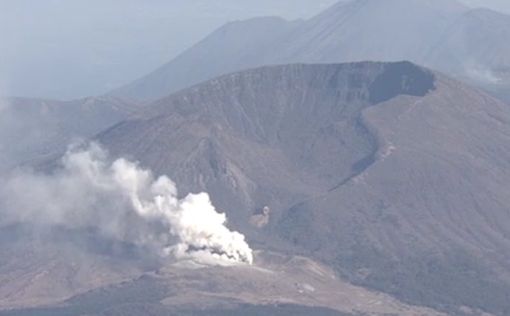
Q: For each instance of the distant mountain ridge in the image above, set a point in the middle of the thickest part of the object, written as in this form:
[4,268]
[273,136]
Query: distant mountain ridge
[32,129]
[437,34]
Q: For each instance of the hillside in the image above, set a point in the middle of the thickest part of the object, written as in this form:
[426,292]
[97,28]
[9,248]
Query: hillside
[395,175]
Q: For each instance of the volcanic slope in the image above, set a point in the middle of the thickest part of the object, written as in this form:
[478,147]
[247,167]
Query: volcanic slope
[395,175]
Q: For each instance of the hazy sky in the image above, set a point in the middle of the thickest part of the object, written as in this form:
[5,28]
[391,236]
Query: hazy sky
[72,48]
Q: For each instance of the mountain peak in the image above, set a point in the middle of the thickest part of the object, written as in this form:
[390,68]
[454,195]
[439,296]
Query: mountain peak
[422,31]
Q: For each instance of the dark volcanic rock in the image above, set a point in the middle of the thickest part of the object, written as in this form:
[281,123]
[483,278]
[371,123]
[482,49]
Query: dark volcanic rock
[399,79]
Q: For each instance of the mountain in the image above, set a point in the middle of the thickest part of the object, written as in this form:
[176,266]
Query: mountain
[474,47]
[371,30]
[230,48]
[433,33]
[394,175]
[33,128]
[84,59]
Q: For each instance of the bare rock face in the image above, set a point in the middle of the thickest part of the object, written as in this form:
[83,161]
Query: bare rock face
[392,174]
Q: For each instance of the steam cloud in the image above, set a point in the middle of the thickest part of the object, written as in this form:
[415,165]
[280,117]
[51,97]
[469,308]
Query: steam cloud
[122,201]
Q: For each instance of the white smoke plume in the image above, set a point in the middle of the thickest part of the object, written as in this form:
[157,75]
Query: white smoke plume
[124,202]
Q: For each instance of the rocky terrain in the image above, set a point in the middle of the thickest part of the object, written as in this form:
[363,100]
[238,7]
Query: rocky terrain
[275,168]
[366,188]
[275,284]
[393,174]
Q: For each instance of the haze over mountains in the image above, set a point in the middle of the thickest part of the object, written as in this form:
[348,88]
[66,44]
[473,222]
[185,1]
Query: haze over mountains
[31,129]
[58,49]
[370,187]
[444,35]
[34,63]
